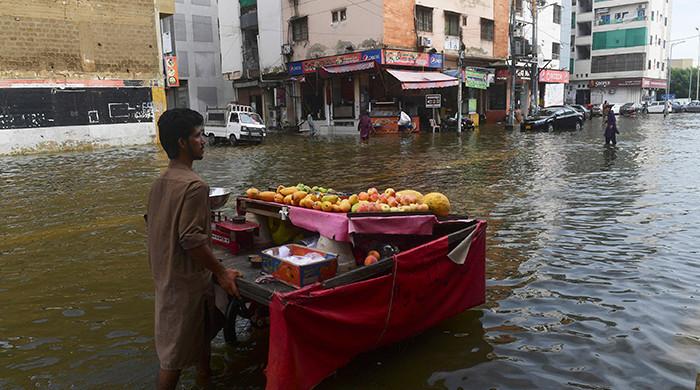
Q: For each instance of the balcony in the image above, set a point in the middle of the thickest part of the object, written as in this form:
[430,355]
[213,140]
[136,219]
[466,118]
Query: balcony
[249,20]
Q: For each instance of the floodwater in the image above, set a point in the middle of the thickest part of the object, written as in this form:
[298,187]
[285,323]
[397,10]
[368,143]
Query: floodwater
[593,268]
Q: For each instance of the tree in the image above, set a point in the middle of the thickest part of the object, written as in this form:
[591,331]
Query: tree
[679,82]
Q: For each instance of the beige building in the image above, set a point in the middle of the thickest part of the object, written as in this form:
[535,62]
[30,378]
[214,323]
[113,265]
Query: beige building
[682,63]
[79,73]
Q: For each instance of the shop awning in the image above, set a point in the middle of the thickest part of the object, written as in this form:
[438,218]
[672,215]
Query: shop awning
[411,79]
[331,70]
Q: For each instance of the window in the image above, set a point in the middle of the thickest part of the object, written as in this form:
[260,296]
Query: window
[651,40]
[649,65]
[620,38]
[338,15]
[424,16]
[557,13]
[662,66]
[652,16]
[665,21]
[300,29]
[618,63]
[519,7]
[486,29]
[451,24]
[233,118]
[657,64]
[555,50]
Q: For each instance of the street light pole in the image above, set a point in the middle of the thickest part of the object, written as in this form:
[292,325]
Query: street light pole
[668,75]
[534,73]
[697,78]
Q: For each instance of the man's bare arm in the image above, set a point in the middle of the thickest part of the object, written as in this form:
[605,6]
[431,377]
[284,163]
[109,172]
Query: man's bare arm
[226,277]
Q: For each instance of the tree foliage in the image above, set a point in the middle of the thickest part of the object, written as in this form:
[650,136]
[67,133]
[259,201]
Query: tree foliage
[680,78]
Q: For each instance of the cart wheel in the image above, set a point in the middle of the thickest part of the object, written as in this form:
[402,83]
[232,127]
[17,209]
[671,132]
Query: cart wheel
[238,326]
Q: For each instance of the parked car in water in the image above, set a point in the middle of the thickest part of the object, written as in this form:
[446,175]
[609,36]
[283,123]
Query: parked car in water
[677,107]
[653,107]
[693,106]
[629,109]
[582,109]
[553,118]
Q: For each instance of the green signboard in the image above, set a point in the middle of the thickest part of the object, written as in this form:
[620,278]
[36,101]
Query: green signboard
[475,79]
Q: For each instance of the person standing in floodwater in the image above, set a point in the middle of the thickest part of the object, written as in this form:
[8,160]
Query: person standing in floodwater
[364,126]
[611,128]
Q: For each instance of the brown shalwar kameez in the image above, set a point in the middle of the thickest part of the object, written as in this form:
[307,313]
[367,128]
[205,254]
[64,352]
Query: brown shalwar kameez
[178,219]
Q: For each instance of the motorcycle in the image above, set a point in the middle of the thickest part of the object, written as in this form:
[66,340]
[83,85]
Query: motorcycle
[450,123]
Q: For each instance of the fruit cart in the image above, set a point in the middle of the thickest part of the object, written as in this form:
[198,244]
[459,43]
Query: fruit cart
[431,268]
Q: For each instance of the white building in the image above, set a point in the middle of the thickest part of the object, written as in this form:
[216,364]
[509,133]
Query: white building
[553,49]
[194,37]
[621,50]
[250,32]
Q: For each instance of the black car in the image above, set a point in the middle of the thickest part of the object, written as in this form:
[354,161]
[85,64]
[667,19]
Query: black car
[582,109]
[553,118]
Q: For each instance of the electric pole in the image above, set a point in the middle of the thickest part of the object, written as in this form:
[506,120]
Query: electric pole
[460,65]
[534,73]
[511,31]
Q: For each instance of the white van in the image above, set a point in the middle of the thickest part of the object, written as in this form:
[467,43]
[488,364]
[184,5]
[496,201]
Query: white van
[235,123]
[655,107]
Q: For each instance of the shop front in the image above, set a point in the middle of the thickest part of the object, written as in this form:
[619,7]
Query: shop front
[552,84]
[336,90]
[629,90]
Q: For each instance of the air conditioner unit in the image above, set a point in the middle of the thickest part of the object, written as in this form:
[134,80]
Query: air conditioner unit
[287,49]
[425,42]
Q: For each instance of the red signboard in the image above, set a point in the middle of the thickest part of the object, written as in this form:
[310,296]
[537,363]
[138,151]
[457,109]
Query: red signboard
[407,58]
[653,83]
[554,76]
[313,65]
[172,79]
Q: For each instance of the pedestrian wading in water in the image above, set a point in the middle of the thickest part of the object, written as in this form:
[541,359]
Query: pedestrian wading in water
[364,126]
[610,126]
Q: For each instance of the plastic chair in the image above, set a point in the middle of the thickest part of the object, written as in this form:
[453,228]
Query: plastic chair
[434,125]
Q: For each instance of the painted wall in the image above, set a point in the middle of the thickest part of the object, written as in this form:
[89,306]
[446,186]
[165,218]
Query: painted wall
[230,38]
[363,28]
[270,32]
[399,28]
[501,16]
[80,137]
[199,53]
[474,10]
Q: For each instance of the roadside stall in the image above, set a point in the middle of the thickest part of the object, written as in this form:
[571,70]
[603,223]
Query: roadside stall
[401,265]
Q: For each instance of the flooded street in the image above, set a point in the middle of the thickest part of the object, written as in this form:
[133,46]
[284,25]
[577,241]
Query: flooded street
[592,258]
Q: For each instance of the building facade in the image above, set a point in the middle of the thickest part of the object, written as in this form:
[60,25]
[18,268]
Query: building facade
[550,52]
[620,50]
[191,36]
[80,74]
[279,71]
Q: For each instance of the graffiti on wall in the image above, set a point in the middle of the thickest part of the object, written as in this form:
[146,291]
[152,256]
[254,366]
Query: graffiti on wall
[47,107]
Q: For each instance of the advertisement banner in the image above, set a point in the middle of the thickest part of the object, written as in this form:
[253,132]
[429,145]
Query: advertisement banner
[389,57]
[406,58]
[615,83]
[476,79]
[172,79]
[554,76]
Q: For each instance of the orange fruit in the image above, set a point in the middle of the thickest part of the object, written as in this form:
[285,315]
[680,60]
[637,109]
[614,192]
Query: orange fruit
[374,253]
[370,260]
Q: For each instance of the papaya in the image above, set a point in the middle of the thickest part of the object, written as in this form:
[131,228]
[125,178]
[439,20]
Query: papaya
[438,203]
[299,195]
[252,192]
[353,199]
[326,206]
[288,190]
[279,198]
[288,199]
[345,206]
[267,196]
[280,188]
[317,205]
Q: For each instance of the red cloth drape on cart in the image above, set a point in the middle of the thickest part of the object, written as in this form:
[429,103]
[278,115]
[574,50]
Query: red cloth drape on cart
[313,331]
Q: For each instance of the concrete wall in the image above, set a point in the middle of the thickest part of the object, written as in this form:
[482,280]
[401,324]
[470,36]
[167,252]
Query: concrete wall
[49,139]
[199,53]
[270,32]
[230,37]
[363,29]
[79,40]
[474,10]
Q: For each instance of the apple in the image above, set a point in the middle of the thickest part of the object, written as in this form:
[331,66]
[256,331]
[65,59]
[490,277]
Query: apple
[390,192]
[374,197]
[363,196]
[385,208]
[372,191]
[391,201]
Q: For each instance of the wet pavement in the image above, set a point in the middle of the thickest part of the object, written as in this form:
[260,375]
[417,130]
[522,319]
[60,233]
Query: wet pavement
[592,258]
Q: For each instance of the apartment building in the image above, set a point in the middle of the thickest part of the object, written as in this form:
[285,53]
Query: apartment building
[620,50]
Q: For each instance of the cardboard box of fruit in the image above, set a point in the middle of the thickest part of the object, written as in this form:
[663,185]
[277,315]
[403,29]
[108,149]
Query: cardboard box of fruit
[298,265]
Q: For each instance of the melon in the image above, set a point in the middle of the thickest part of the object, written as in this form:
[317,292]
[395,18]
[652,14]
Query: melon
[438,203]
[416,194]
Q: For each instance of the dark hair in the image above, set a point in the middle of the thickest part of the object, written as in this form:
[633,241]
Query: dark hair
[175,124]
